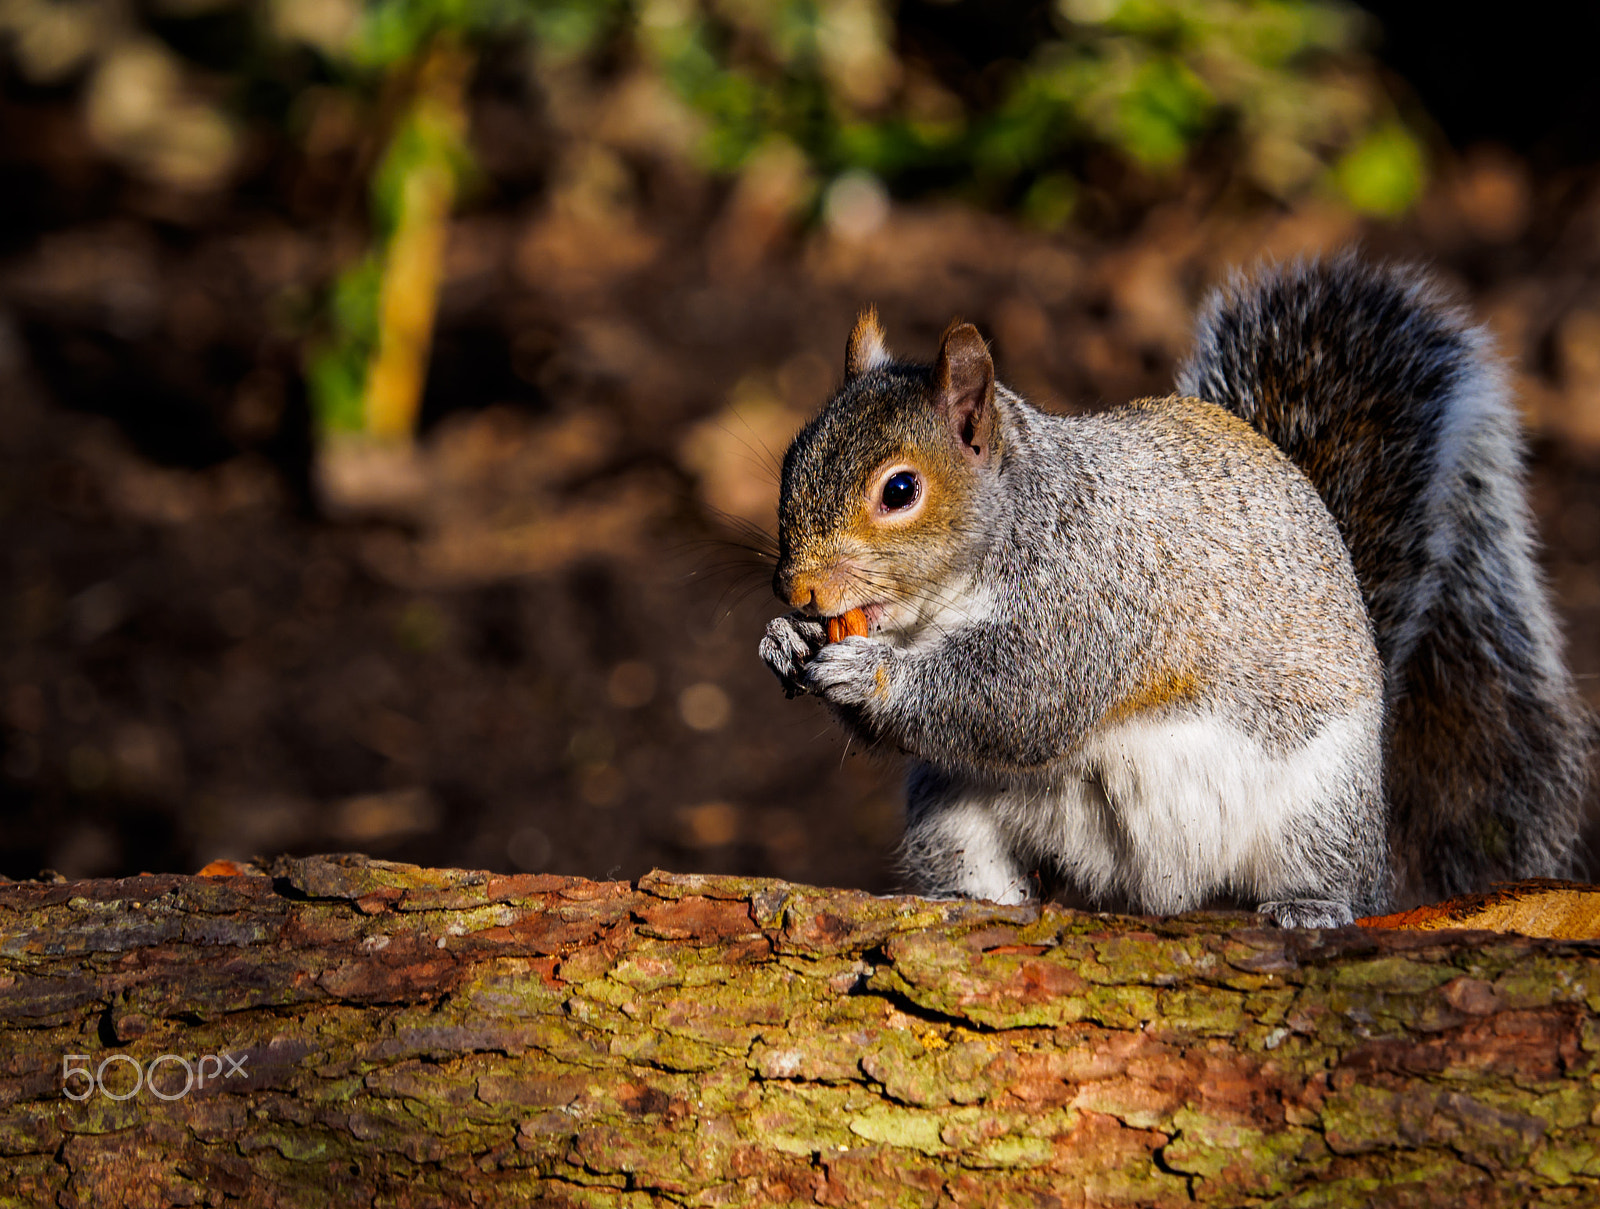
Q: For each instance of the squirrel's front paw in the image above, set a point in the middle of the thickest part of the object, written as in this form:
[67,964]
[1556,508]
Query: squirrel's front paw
[854,671]
[789,644]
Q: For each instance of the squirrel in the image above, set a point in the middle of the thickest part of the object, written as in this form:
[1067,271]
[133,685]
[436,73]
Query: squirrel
[1276,641]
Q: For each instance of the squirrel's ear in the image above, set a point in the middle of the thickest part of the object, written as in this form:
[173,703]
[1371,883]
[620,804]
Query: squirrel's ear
[963,380]
[866,349]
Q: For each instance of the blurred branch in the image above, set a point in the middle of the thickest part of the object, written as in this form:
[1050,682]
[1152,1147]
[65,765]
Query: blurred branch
[420,181]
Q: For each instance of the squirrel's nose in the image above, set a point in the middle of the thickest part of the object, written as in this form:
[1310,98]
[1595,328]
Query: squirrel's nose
[793,588]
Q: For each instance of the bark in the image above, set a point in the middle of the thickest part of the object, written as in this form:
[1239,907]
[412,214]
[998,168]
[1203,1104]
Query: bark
[402,1036]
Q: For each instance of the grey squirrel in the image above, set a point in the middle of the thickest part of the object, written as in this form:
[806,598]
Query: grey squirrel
[1277,640]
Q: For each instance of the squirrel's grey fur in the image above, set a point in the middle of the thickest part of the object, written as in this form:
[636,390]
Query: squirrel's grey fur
[1392,403]
[1130,651]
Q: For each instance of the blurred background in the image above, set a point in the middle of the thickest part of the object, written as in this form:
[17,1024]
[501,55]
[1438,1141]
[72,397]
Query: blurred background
[391,394]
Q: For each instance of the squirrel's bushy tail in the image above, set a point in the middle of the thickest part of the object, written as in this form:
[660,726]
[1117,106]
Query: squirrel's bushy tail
[1393,404]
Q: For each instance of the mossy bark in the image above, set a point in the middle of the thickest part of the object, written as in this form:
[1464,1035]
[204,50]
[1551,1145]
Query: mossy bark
[402,1036]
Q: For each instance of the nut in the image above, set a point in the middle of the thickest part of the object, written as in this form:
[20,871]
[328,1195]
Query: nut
[850,624]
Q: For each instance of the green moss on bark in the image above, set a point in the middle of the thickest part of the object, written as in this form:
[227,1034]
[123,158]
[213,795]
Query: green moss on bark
[434,1037]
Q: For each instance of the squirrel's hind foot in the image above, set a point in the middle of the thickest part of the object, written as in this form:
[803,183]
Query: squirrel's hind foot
[1308,913]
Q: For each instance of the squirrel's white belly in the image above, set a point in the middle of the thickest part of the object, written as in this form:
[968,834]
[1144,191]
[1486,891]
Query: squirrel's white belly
[1163,814]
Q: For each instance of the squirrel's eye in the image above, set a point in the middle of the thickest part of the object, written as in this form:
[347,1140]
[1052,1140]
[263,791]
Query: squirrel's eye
[900,491]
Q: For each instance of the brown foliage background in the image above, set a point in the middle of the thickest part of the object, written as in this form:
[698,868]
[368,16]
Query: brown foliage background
[534,649]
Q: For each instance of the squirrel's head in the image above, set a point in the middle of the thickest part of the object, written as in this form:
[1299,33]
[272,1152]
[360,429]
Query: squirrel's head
[879,491]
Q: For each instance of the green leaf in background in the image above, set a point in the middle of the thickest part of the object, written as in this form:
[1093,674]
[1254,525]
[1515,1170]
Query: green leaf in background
[1050,200]
[1164,110]
[1383,174]
[396,32]
[336,368]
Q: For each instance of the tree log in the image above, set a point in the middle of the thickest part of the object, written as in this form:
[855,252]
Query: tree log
[351,1032]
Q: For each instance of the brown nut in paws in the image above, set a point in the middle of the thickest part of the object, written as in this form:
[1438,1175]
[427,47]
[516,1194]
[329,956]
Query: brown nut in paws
[850,624]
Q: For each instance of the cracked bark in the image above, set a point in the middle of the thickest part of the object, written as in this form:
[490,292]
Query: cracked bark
[405,1036]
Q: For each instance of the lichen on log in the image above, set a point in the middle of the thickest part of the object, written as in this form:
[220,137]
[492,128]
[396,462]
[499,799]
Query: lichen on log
[409,1037]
